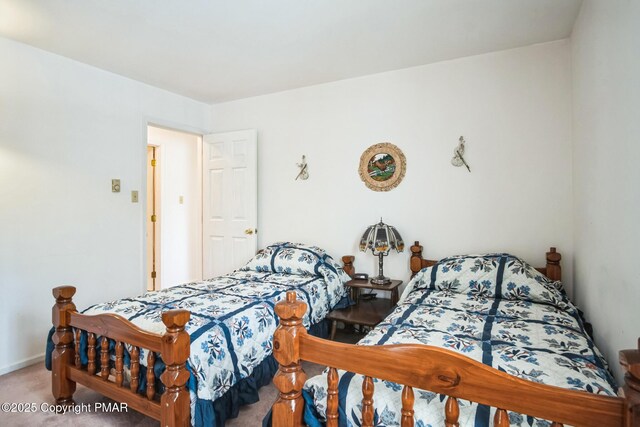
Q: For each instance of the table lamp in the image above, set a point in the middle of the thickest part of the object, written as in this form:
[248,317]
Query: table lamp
[381,238]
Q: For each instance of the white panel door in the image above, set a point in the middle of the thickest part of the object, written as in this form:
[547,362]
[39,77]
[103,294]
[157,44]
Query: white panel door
[230,201]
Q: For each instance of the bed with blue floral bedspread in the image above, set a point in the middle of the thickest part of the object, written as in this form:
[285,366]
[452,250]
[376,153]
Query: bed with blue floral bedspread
[233,320]
[495,309]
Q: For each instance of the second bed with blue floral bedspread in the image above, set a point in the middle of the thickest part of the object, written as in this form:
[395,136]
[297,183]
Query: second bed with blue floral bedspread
[233,320]
[495,309]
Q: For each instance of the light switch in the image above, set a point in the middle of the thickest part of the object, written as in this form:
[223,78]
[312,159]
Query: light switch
[115,185]
[181,200]
[134,196]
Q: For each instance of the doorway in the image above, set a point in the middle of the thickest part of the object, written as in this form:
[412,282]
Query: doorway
[174,207]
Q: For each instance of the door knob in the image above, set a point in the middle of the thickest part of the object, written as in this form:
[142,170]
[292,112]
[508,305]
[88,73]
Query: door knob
[248,231]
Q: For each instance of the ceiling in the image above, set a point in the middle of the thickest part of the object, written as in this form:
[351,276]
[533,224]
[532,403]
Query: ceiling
[219,50]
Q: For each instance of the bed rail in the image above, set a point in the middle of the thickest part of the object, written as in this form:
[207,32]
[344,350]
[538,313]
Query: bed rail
[438,370]
[172,408]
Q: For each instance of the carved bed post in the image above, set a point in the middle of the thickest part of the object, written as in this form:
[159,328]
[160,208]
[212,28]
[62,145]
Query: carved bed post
[348,267]
[288,408]
[175,402]
[415,262]
[554,272]
[64,352]
[630,361]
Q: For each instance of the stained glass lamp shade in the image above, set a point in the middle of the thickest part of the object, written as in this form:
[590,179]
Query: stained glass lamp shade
[381,238]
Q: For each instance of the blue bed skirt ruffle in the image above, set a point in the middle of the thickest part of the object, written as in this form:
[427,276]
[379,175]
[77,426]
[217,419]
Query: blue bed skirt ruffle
[216,412]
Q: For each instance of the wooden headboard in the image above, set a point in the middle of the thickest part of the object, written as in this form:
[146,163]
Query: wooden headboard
[552,270]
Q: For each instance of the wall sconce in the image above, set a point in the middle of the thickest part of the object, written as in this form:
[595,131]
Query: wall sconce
[304,171]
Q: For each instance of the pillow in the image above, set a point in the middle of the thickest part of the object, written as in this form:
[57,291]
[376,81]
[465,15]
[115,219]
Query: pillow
[296,258]
[302,260]
[489,276]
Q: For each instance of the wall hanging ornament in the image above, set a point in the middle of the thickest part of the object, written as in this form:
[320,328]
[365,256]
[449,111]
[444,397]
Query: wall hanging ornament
[382,166]
[303,174]
[458,155]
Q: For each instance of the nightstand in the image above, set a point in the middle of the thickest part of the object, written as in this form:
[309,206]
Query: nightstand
[365,312]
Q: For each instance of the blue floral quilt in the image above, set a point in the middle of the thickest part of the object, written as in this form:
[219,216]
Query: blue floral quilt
[495,309]
[232,317]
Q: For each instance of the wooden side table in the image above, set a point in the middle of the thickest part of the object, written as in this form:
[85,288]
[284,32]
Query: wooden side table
[365,312]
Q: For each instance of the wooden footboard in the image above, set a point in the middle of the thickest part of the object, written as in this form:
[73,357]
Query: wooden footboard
[438,370]
[172,408]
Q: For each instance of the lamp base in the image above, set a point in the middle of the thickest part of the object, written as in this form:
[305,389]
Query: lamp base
[380,280]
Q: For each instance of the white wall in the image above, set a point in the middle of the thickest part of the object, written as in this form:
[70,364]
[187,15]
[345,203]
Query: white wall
[606,98]
[514,109]
[67,129]
[180,224]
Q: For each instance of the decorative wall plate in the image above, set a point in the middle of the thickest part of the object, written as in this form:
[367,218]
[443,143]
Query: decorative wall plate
[382,166]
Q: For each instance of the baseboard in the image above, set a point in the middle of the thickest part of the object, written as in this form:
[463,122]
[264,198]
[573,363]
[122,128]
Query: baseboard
[22,364]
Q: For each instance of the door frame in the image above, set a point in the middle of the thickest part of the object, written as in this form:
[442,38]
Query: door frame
[158,211]
[178,127]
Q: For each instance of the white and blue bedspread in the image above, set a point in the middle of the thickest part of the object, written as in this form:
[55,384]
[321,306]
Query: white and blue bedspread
[495,309]
[232,317]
